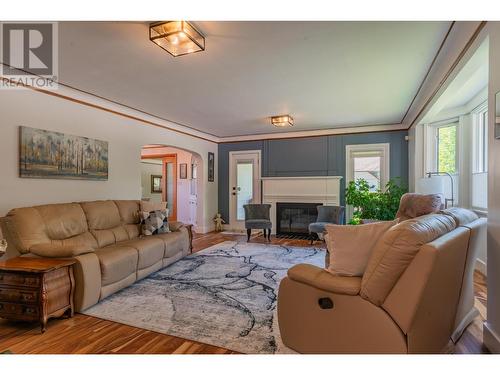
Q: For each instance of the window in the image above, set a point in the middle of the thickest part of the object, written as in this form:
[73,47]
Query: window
[480,145]
[370,162]
[479,199]
[368,168]
[446,148]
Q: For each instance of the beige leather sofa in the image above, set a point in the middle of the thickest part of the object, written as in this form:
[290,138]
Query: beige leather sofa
[103,237]
[416,293]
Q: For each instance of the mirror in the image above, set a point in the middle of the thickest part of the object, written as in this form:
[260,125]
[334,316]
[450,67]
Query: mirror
[497,116]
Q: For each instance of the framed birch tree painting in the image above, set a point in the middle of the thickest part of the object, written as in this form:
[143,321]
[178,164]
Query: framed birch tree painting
[48,154]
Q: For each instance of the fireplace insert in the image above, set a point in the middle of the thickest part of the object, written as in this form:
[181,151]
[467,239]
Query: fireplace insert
[294,218]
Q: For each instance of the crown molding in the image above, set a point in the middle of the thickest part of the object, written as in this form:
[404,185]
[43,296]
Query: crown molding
[89,99]
[316,133]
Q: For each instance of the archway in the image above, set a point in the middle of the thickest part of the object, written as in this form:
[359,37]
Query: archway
[174,175]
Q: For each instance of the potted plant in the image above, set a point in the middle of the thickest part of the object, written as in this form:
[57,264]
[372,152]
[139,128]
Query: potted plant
[374,205]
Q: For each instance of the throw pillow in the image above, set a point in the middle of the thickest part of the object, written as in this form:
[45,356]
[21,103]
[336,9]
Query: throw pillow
[154,222]
[350,246]
[150,206]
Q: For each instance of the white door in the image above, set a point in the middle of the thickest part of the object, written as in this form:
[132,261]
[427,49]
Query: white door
[244,185]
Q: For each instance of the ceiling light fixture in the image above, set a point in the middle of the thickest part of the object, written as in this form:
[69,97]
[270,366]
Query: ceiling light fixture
[177,37]
[282,121]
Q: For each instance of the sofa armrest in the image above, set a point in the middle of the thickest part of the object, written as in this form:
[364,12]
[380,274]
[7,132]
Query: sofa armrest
[324,280]
[174,226]
[87,271]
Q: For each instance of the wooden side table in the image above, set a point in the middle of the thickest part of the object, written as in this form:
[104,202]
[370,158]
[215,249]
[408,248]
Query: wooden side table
[36,289]
[190,232]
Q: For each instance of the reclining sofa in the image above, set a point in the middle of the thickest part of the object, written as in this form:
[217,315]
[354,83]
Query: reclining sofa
[104,239]
[415,295]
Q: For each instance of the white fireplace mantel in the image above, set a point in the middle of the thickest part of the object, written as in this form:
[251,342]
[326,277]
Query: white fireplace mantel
[315,189]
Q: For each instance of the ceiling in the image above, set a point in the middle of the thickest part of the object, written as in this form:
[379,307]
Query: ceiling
[469,82]
[325,74]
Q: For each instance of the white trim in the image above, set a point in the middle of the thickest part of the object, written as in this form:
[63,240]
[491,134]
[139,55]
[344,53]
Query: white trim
[320,190]
[315,133]
[303,178]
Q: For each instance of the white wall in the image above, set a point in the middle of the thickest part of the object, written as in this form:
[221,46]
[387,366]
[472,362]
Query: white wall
[149,168]
[126,137]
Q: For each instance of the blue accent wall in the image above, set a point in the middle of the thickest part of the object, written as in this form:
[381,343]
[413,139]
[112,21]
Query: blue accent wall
[312,156]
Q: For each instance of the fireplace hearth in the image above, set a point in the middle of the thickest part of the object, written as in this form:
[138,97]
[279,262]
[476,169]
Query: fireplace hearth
[294,218]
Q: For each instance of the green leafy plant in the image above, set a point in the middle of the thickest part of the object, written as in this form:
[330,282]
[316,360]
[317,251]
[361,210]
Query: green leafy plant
[374,205]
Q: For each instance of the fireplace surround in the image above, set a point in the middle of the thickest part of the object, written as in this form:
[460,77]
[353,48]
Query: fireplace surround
[316,190]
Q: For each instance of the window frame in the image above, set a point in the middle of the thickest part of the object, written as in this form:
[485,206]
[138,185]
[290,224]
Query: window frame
[434,128]
[480,139]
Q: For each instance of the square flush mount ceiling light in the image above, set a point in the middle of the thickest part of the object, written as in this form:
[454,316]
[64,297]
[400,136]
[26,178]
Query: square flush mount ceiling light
[177,37]
[282,121]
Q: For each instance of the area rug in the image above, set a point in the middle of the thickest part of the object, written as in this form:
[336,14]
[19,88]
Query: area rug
[224,295]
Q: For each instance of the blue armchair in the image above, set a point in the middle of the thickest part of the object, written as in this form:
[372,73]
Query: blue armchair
[257,217]
[326,215]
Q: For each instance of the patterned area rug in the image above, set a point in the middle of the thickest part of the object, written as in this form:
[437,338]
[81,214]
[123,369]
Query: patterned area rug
[224,296]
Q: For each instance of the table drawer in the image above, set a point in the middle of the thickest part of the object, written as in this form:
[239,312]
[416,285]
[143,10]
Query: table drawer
[21,296]
[15,309]
[19,279]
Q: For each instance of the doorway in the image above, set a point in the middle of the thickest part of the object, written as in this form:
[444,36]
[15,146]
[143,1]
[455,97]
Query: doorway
[168,181]
[244,185]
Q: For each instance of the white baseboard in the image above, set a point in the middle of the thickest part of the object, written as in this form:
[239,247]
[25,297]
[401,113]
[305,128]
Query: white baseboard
[491,339]
[481,266]
[204,229]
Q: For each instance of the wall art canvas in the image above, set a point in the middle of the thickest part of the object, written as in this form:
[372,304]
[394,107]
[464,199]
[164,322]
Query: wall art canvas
[156,183]
[211,167]
[183,171]
[48,154]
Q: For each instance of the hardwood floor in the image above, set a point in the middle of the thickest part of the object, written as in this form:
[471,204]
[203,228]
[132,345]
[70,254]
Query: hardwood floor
[88,335]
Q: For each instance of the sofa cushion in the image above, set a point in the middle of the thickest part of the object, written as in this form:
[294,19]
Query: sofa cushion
[175,242]
[63,220]
[350,246]
[462,216]
[117,262]
[101,214]
[60,251]
[258,224]
[129,211]
[396,250]
[64,224]
[107,237]
[148,206]
[85,239]
[150,250]
[26,228]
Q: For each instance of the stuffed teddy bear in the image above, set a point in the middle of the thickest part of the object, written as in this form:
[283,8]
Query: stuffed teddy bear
[218,222]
